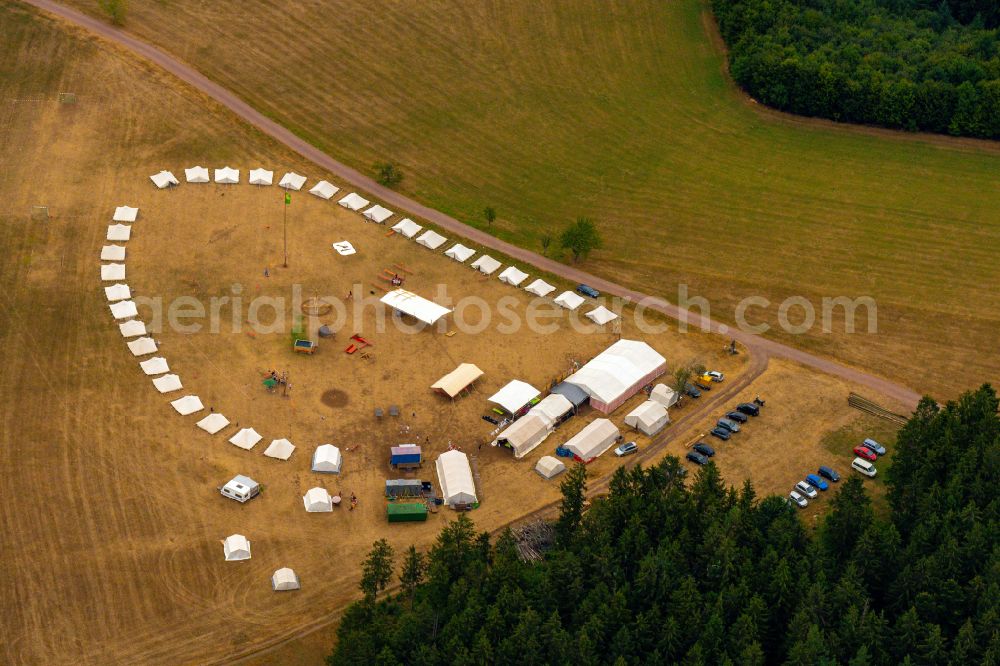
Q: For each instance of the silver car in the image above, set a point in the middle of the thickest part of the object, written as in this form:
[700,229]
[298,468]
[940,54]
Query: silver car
[874,446]
[806,489]
[799,500]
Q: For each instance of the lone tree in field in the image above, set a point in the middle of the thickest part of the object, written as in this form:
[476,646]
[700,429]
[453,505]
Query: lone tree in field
[376,572]
[546,241]
[580,238]
[682,375]
[115,9]
[388,174]
[490,214]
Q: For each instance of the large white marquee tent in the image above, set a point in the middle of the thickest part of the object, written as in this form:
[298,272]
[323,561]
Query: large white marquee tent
[599,436]
[416,306]
[455,478]
[618,373]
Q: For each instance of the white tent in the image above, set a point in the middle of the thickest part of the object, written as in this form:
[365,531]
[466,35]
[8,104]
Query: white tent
[118,292]
[327,459]
[324,190]
[167,383]
[344,248]
[353,201]
[552,408]
[407,227]
[618,373]
[664,395]
[261,177]
[432,239]
[131,329]
[213,423]
[246,438]
[189,404]
[292,181]
[599,436]
[119,232]
[113,253]
[155,366]
[457,380]
[514,396]
[196,174]
[279,448]
[569,300]
[601,315]
[486,265]
[142,346]
[123,309]
[112,272]
[164,179]
[455,478]
[513,276]
[317,500]
[285,579]
[236,548]
[227,176]
[459,253]
[378,214]
[540,288]
[125,214]
[648,418]
[416,306]
[524,434]
[549,466]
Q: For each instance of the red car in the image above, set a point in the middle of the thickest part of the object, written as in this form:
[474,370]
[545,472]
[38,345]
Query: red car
[866,453]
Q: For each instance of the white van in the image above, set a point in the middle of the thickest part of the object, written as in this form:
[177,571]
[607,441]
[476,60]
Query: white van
[863,466]
[241,488]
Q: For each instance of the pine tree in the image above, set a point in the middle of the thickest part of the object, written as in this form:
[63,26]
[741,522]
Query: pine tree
[376,572]
[574,488]
[412,574]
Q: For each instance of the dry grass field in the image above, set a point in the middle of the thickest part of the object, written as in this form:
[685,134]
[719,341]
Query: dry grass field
[111,518]
[622,112]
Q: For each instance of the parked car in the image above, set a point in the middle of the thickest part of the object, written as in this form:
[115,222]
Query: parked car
[704,386]
[874,446]
[806,489]
[704,449]
[696,458]
[721,433]
[799,500]
[587,291]
[626,449]
[731,426]
[864,467]
[692,391]
[739,417]
[866,453]
[829,473]
[715,375]
[817,482]
[748,408]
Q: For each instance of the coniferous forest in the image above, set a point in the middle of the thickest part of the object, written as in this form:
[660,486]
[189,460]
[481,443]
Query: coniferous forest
[666,569]
[929,65]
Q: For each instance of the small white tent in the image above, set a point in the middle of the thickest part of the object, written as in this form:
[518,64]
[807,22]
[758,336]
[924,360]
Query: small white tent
[164,179]
[569,300]
[459,253]
[236,547]
[599,436]
[261,177]
[486,265]
[123,309]
[213,423]
[648,418]
[119,232]
[155,366]
[131,329]
[377,214]
[540,288]
[292,181]
[407,228]
[513,276]
[142,346]
[246,438]
[227,176]
[327,459]
[284,580]
[664,395]
[353,201]
[125,214]
[189,404]
[317,500]
[324,190]
[514,396]
[432,239]
[549,466]
[113,253]
[118,292]
[455,478]
[112,272]
[196,174]
[167,383]
[279,448]
[601,315]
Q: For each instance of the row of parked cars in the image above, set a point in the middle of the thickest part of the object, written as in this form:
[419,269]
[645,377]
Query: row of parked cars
[724,429]
[810,487]
[867,452]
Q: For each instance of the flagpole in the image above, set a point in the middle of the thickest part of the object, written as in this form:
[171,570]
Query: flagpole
[285,226]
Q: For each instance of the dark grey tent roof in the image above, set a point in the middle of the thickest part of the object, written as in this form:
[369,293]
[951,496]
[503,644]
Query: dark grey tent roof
[571,392]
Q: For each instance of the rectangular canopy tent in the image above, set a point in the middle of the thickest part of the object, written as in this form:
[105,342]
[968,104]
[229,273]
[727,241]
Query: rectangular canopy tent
[664,395]
[292,181]
[377,214]
[155,366]
[540,288]
[407,228]
[515,396]
[648,418]
[126,214]
[416,306]
[455,479]
[324,190]
[601,315]
[119,232]
[111,272]
[524,434]
[167,383]
[618,373]
[196,174]
[123,309]
[457,380]
[353,201]
[261,177]
[113,253]
[131,329]
[549,466]
[227,176]
[553,409]
[592,441]
[432,239]
[164,179]
[118,292]
[142,346]
[513,276]
[486,264]
[569,300]
[459,253]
